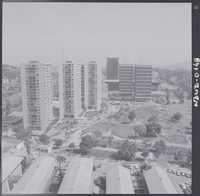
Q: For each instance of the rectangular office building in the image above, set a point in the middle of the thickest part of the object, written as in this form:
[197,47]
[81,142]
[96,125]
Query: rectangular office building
[142,84]
[112,70]
[36,85]
[126,81]
[70,90]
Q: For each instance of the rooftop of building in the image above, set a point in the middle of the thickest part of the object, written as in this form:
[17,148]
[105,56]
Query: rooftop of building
[36,178]
[16,113]
[45,147]
[78,177]
[158,181]
[10,140]
[158,92]
[9,163]
[118,181]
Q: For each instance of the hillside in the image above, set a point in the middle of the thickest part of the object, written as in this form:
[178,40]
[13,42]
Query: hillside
[178,66]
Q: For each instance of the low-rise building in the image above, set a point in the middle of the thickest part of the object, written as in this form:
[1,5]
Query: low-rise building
[44,148]
[37,178]
[11,167]
[118,181]
[158,181]
[78,177]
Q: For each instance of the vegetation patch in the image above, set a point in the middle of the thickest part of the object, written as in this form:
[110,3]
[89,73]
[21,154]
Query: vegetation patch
[91,114]
[177,139]
[64,125]
[123,131]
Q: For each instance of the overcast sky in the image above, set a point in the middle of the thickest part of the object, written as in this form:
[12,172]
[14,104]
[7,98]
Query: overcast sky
[157,32]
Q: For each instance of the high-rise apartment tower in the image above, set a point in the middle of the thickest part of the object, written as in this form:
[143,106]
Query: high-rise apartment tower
[36,95]
[70,90]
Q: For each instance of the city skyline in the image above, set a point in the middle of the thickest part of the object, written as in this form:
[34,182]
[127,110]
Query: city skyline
[91,31]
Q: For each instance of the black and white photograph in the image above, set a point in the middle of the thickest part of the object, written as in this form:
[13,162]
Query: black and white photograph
[97,98]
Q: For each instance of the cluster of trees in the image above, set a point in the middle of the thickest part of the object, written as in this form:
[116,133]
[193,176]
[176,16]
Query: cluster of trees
[90,141]
[151,128]
[127,150]
[86,144]
[183,157]
[180,95]
[10,73]
[44,139]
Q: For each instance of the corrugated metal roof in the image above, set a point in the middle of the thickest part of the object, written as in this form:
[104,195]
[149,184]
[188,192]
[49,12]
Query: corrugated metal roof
[9,163]
[158,181]
[36,177]
[78,177]
[118,181]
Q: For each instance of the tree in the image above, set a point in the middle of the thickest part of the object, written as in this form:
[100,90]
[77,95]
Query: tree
[7,105]
[140,130]
[180,96]
[87,143]
[131,115]
[159,147]
[177,116]
[58,142]
[145,152]
[189,156]
[100,182]
[23,134]
[153,119]
[60,160]
[24,164]
[145,166]
[110,139]
[153,128]
[72,145]
[44,139]
[127,150]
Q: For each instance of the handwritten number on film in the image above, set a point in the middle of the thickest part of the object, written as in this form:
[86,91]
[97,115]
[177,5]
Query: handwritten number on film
[196,86]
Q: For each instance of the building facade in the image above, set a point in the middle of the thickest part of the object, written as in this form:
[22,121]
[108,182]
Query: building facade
[112,70]
[36,95]
[94,86]
[84,86]
[142,86]
[126,73]
[70,90]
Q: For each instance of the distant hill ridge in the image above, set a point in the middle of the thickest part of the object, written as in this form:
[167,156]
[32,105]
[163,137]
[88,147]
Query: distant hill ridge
[177,66]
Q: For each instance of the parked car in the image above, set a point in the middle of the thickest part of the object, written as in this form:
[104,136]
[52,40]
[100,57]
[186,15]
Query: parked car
[188,182]
[178,173]
[188,175]
[182,173]
[169,170]
[182,185]
[173,171]
[136,166]
[136,173]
